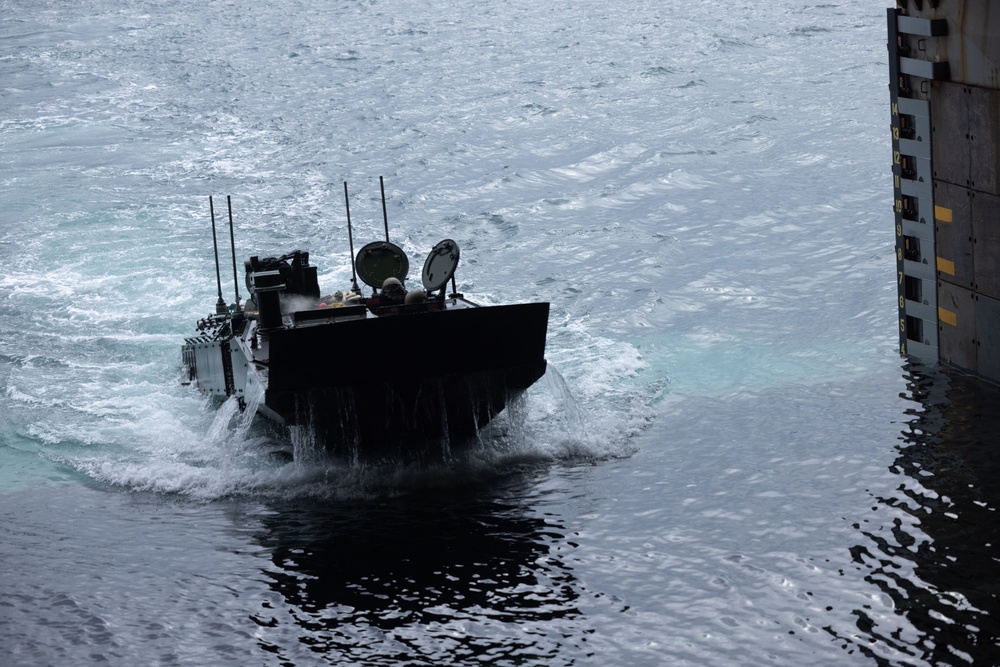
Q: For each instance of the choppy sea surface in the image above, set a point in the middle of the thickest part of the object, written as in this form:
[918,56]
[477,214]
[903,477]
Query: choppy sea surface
[727,463]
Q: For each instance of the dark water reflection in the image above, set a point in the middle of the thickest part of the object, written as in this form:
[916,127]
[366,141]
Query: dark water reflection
[940,567]
[442,577]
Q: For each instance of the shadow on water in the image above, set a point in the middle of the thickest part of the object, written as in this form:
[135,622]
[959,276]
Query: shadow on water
[938,562]
[439,577]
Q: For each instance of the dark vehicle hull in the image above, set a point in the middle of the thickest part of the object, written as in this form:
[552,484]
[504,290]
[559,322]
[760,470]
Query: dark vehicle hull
[394,384]
[409,382]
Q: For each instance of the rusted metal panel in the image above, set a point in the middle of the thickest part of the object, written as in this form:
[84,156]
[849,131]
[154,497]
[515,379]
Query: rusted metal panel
[986,244]
[972,47]
[953,228]
[957,326]
[969,47]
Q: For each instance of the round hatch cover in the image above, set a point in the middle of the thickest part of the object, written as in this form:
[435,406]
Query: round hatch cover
[380,260]
[440,265]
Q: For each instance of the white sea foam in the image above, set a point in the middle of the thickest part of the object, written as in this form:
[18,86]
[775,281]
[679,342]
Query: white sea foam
[224,451]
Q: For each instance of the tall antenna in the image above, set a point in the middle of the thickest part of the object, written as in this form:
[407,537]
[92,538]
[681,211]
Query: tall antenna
[385,216]
[220,305]
[350,241]
[232,243]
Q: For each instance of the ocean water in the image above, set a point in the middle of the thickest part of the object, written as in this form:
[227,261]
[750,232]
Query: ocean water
[727,463]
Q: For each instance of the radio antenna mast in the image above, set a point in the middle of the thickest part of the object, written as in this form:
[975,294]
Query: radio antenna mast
[232,243]
[350,241]
[385,216]
[220,305]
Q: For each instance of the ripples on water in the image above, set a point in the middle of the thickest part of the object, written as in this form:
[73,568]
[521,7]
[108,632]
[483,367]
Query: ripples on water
[936,562]
[422,585]
[724,465]
[699,553]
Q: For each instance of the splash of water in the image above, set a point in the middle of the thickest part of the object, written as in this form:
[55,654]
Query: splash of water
[576,423]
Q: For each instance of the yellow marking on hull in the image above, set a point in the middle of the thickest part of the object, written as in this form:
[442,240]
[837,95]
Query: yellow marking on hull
[947,316]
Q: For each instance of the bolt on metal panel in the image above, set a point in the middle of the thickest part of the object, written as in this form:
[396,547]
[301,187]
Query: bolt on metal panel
[953,228]
[986,245]
[957,326]
[984,139]
[950,127]
[987,333]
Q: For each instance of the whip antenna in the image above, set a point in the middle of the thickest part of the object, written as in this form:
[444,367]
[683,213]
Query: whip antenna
[232,243]
[385,216]
[220,305]
[350,241]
